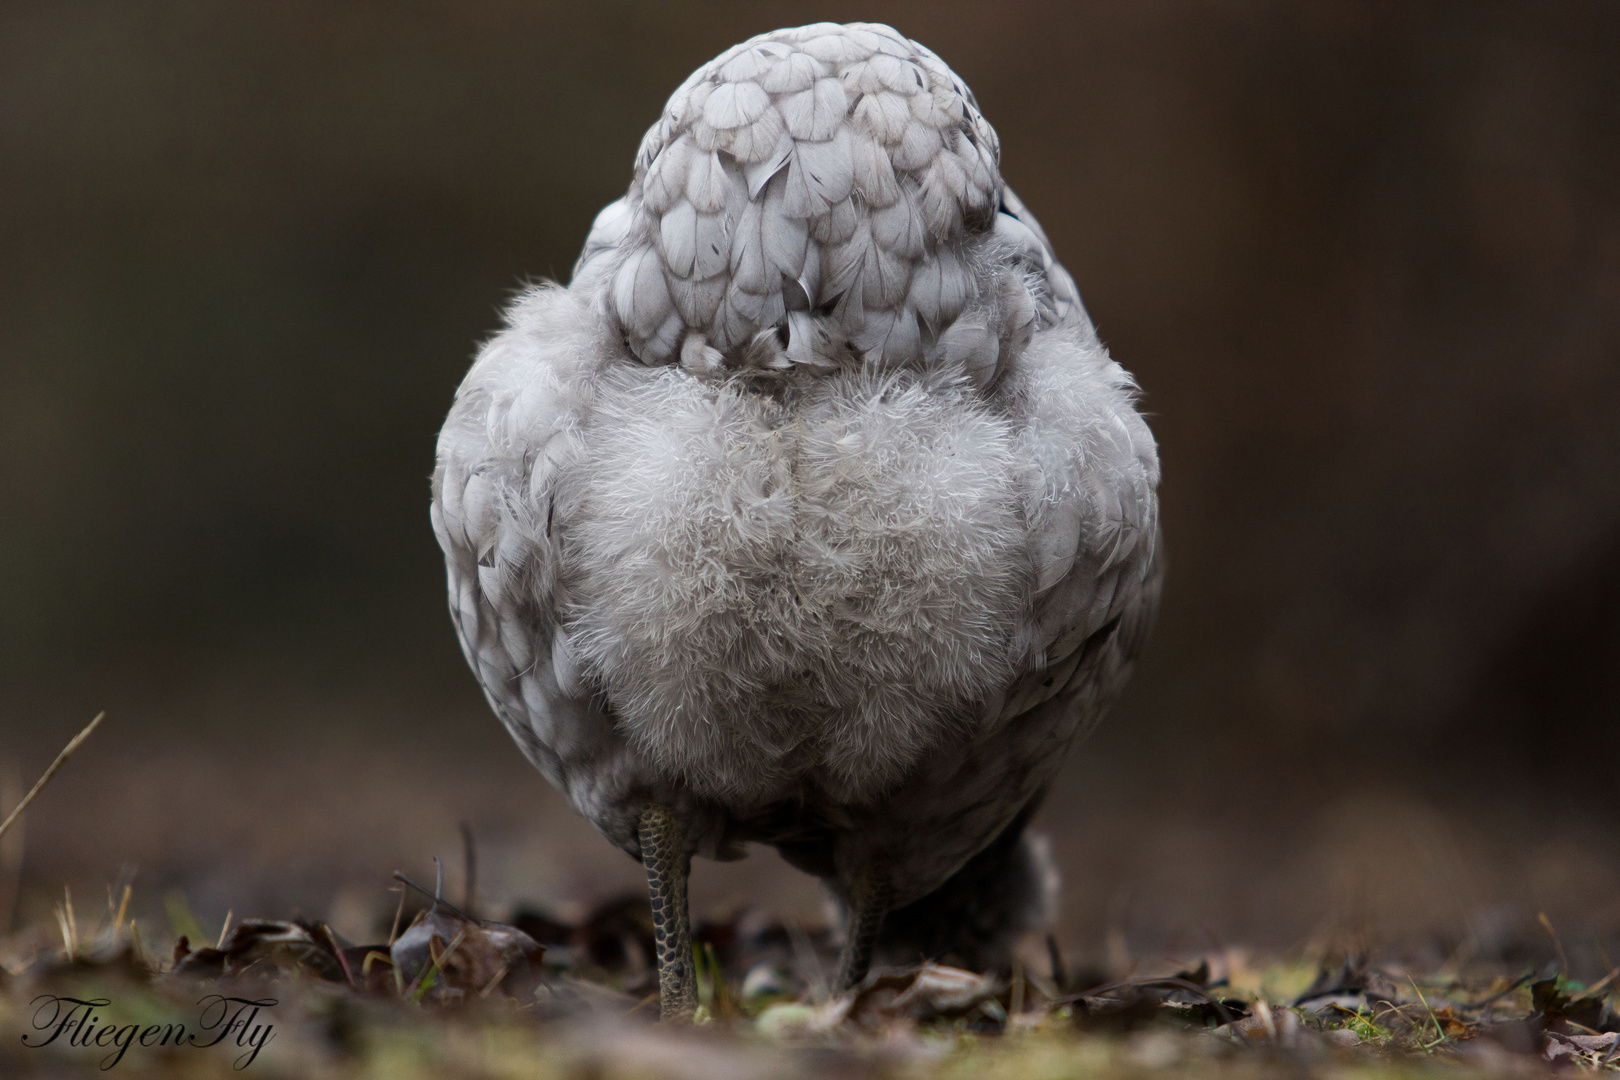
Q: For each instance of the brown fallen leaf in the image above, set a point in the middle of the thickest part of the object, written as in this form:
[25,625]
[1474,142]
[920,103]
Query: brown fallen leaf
[278,944]
[1559,1008]
[444,957]
[262,941]
[929,992]
[1265,1024]
[1130,1003]
[1594,1048]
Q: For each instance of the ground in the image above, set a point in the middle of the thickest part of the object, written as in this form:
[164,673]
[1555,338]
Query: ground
[448,996]
[1388,927]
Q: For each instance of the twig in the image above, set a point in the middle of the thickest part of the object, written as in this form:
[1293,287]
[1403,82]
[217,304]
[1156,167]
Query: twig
[447,905]
[393,932]
[490,986]
[1054,955]
[337,951]
[372,956]
[67,752]
[72,921]
[1563,961]
[1600,984]
[1500,994]
[123,907]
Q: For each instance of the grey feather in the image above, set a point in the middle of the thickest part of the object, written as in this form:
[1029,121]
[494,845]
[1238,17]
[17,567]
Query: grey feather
[747,63]
[941,208]
[707,183]
[809,280]
[814,114]
[948,172]
[756,142]
[884,71]
[666,177]
[845,262]
[747,263]
[839,46]
[899,228]
[940,288]
[839,223]
[607,237]
[882,115]
[677,230]
[763,171]
[712,246]
[828,167]
[975,347]
[874,173]
[639,294]
[697,300]
[886,275]
[917,147]
[795,72]
[661,345]
[931,109]
[784,237]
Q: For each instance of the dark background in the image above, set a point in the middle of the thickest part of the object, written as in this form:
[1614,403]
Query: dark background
[1364,259]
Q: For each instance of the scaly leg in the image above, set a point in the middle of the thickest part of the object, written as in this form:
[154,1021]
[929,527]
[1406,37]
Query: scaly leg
[663,853]
[868,904]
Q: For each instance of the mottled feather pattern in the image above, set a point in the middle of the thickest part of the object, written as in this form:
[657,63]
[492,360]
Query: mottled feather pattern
[813,506]
[840,170]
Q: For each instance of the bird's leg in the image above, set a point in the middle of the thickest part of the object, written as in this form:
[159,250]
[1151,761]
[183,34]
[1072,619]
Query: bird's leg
[868,903]
[664,854]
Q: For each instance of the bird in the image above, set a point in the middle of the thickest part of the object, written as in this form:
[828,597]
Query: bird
[812,511]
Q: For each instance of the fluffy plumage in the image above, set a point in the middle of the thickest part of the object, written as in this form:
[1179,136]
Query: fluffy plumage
[813,506]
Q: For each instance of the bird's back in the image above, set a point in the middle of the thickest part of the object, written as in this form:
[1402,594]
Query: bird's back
[826,196]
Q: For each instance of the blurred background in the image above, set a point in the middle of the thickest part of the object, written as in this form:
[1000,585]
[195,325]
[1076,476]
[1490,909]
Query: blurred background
[1363,257]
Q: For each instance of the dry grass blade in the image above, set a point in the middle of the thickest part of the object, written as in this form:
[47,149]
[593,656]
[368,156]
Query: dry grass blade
[67,752]
[435,896]
[1546,923]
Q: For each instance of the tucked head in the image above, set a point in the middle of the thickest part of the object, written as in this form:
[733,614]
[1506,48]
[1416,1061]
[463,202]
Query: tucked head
[816,196]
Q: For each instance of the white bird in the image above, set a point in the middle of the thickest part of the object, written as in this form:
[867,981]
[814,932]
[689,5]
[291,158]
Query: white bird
[812,512]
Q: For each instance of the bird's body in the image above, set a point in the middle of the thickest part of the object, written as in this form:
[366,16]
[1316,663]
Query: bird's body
[812,511]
